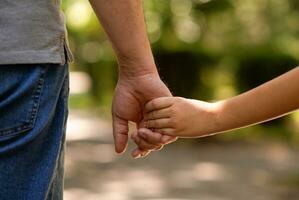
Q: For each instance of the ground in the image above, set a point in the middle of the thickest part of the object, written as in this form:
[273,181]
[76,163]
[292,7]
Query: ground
[179,172]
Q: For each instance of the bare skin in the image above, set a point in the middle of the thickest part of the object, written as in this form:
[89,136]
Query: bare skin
[139,81]
[182,117]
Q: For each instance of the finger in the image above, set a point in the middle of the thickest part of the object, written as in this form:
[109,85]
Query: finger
[120,133]
[159,148]
[145,153]
[165,131]
[158,123]
[167,139]
[158,103]
[141,124]
[150,136]
[143,144]
[157,114]
[156,137]
[138,153]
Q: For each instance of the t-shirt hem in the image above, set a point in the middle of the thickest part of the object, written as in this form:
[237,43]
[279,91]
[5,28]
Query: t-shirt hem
[34,57]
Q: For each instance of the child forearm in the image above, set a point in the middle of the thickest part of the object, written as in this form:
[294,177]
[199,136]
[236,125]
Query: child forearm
[193,118]
[268,101]
[181,117]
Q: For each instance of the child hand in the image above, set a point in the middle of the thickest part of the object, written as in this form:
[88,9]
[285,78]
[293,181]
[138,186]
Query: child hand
[148,141]
[181,117]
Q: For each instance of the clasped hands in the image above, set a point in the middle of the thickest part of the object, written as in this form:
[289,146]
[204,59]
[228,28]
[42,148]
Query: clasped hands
[132,92]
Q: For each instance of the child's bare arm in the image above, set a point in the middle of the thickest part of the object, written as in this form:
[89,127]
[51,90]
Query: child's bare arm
[191,118]
[182,117]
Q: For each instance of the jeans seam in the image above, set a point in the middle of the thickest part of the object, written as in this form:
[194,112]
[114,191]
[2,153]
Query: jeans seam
[64,96]
[30,121]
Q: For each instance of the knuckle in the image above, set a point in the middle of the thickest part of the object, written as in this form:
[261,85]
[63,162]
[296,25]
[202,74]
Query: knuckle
[152,123]
[168,121]
[153,114]
[172,110]
[155,103]
[149,124]
[179,99]
[168,112]
[173,121]
[148,116]
[157,123]
[179,102]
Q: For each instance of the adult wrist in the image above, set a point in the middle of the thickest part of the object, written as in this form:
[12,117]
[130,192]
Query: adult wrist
[133,61]
[137,68]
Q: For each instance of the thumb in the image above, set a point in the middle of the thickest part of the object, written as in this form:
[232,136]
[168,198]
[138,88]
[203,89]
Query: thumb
[120,133]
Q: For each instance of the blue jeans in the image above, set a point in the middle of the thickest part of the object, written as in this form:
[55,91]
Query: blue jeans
[33,113]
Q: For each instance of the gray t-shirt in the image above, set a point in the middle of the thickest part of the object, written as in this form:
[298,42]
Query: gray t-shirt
[32,31]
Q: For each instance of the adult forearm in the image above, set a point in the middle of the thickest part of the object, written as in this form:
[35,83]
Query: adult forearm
[268,101]
[123,21]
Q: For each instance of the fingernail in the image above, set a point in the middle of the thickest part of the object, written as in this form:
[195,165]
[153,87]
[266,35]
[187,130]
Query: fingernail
[138,156]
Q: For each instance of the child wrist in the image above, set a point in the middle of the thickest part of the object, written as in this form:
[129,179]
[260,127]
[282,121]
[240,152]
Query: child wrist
[218,119]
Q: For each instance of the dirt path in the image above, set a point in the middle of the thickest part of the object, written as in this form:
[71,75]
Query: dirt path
[179,172]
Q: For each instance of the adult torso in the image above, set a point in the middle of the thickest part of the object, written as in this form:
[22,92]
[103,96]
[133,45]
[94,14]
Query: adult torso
[31,31]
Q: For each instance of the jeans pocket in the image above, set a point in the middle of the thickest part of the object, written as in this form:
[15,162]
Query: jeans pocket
[20,91]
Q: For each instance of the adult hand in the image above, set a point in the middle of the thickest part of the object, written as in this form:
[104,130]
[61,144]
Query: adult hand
[132,92]
[123,21]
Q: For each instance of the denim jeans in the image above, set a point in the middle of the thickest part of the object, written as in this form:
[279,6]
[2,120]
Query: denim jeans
[33,113]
